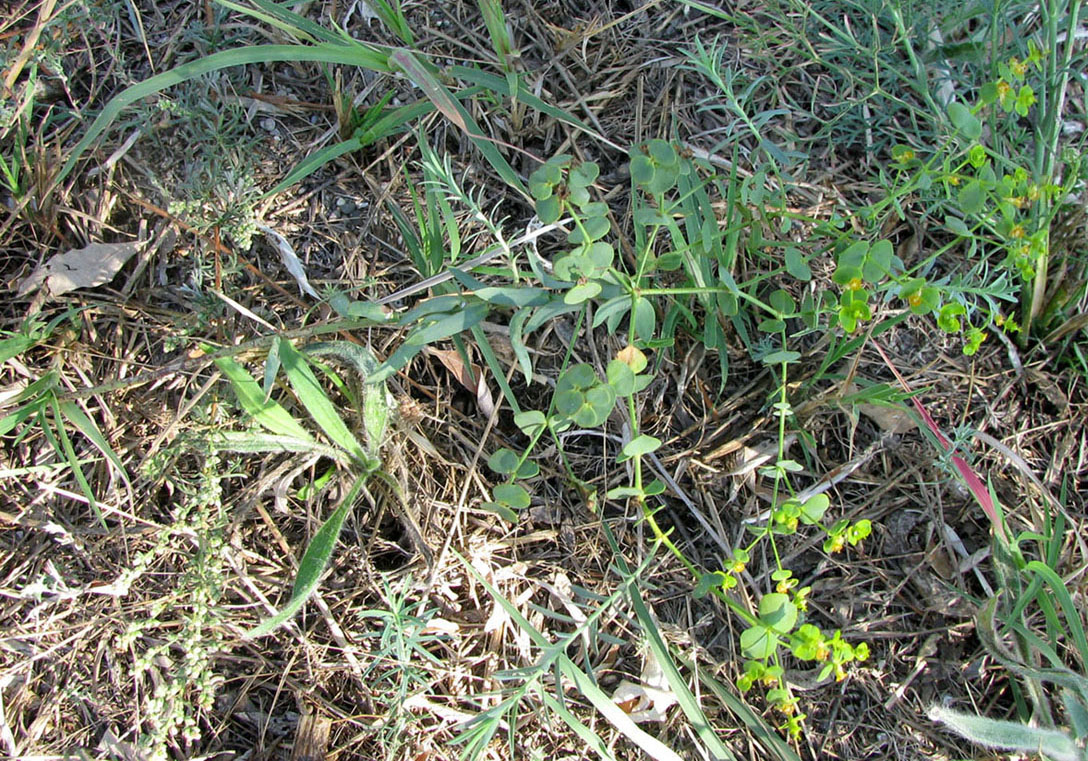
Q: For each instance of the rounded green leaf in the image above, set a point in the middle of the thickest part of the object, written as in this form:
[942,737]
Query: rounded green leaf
[948,319]
[592,228]
[579,196]
[708,582]
[500,510]
[550,173]
[621,377]
[584,174]
[777,612]
[655,487]
[643,320]
[878,262]
[813,508]
[662,152]
[601,254]
[504,461]
[641,445]
[548,209]
[567,403]
[642,170]
[511,495]
[595,209]
[531,422]
[966,123]
[758,643]
[845,274]
[602,399]
[782,302]
[588,417]
[853,256]
[957,226]
[778,357]
[541,190]
[972,198]
[582,293]
[665,177]
[581,376]
[797,266]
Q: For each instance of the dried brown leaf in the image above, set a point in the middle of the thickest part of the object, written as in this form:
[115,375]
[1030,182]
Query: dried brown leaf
[80,268]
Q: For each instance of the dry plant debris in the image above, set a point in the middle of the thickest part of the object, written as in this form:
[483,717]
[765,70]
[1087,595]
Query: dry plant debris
[168,474]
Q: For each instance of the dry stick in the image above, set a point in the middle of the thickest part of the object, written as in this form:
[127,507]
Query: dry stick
[45,12]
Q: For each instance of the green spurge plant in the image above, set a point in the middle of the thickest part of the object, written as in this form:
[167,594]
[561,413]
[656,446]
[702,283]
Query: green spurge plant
[588,271]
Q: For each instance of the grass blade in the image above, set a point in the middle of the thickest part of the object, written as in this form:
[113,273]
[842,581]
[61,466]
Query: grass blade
[489,81]
[452,109]
[355,54]
[63,444]
[93,434]
[589,737]
[583,681]
[688,704]
[313,162]
[1072,615]
[616,716]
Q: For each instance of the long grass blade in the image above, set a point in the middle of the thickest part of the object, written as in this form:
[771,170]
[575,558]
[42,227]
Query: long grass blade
[355,54]
[589,737]
[1072,615]
[90,430]
[63,444]
[451,108]
[616,716]
[583,681]
[688,704]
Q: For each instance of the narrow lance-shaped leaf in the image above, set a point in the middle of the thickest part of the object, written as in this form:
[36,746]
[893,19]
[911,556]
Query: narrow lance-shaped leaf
[317,402]
[90,430]
[312,565]
[63,445]
[269,414]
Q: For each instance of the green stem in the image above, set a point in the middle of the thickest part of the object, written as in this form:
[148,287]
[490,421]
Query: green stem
[1055,84]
